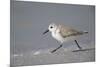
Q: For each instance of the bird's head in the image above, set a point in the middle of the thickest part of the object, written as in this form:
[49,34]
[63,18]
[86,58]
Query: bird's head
[52,27]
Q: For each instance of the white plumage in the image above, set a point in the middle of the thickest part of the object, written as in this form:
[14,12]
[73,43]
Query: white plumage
[63,34]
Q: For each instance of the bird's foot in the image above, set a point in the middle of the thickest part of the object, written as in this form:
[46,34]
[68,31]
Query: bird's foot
[53,51]
[56,49]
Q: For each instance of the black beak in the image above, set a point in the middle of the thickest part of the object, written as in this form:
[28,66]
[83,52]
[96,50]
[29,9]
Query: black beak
[46,31]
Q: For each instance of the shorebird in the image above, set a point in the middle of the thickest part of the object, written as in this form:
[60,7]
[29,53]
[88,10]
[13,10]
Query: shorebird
[63,34]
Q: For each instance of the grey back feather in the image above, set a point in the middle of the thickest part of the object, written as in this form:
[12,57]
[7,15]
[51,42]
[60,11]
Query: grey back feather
[67,32]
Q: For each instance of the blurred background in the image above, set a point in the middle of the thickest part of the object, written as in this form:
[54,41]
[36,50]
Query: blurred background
[30,19]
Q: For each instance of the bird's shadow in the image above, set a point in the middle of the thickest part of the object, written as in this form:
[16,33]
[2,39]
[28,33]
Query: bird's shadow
[84,50]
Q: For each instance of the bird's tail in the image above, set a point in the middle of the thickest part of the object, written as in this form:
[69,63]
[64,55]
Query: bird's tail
[85,32]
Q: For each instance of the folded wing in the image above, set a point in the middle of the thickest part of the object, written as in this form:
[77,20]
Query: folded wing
[67,32]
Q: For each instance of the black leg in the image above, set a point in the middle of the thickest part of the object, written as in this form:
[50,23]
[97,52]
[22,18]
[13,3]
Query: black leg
[78,44]
[56,49]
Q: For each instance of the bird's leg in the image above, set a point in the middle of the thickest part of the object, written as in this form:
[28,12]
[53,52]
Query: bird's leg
[56,49]
[78,45]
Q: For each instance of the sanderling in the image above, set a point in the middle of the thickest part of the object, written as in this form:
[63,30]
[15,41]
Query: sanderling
[63,34]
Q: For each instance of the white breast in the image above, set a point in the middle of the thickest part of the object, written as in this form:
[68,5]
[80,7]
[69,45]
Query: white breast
[57,36]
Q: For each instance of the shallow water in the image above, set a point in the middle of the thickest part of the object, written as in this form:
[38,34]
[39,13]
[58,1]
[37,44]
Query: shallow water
[63,55]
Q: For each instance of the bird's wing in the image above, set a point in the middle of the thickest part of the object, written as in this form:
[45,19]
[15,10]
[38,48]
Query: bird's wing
[67,32]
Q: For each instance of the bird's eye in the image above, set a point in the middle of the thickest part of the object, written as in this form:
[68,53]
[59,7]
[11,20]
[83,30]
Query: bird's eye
[51,27]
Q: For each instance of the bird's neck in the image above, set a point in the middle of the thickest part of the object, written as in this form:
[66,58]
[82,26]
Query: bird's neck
[55,31]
